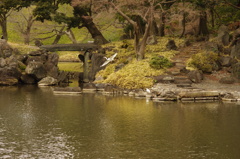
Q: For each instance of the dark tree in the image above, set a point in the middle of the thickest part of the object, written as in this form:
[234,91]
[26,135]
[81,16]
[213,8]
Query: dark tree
[82,15]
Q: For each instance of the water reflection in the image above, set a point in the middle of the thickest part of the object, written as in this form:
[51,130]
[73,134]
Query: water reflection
[35,123]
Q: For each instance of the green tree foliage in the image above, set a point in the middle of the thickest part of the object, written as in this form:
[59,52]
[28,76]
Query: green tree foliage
[228,11]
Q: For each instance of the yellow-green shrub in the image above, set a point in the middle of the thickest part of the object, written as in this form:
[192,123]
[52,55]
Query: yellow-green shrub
[136,74]
[204,61]
[159,62]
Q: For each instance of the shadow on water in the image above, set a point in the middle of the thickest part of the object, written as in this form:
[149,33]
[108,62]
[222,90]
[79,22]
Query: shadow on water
[35,123]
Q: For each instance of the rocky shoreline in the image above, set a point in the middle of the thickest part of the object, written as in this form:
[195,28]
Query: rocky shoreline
[206,91]
[197,93]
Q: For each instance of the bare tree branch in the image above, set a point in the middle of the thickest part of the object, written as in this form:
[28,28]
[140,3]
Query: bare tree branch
[232,5]
[124,15]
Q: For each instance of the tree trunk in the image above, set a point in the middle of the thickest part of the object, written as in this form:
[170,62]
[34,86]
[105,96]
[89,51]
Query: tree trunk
[136,38]
[93,30]
[183,24]
[71,36]
[59,35]
[212,17]
[27,32]
[203,29]
[162,25]
[3,24]
[86,67]
[138,46]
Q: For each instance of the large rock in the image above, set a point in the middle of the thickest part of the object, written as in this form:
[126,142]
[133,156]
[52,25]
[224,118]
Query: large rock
[223,35]
[5,49]
[28,79]
[7,53]
[164,79]
[235,51]
[12,61]
[8,81]
[10,72]
[236,70]
[36,53]
[199,94]
[195,76]
[227,61]
[97,61]
[53,58]
[48,81]
[89,87]
[34,59]
[63,76]
[152,40]
[52,69]
[3,62]
[36,69]
[171,45]
[23,58]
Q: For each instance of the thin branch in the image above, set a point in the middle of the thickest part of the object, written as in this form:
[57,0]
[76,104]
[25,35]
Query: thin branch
[124,15]
[232,5]
[45,37]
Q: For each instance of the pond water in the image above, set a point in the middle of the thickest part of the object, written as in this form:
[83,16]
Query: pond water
[35,123]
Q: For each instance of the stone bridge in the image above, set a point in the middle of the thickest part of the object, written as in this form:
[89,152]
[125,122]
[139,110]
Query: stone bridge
[97,59]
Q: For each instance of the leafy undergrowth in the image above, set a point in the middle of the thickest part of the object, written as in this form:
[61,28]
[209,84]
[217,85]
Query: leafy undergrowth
[135,74]
[205,61]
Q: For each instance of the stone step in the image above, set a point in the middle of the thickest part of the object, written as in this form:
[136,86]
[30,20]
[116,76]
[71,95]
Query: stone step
[180,65]
[176,72]
[182,80]
[180,77]
[184,85]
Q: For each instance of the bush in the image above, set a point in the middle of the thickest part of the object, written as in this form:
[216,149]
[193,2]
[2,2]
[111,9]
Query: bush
[205,61]
[160,62]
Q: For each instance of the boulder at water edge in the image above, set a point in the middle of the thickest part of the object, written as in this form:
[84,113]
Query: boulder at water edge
[48,81]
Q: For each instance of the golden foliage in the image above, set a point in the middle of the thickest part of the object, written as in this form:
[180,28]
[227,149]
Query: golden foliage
[204,61]
[136,74]
[107,71]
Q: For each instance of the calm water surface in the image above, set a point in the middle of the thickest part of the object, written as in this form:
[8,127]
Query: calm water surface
[35,123]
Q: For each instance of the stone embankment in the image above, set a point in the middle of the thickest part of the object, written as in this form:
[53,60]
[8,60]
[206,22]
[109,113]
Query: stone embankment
[204,92]
[170,92]
[36,67]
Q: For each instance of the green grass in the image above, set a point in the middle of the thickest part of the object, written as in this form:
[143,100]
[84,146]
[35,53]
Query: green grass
[70,66]
[104,21]
[23,49]
[70,56]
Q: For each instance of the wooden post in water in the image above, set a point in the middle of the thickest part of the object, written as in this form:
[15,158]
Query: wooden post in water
[86,67]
